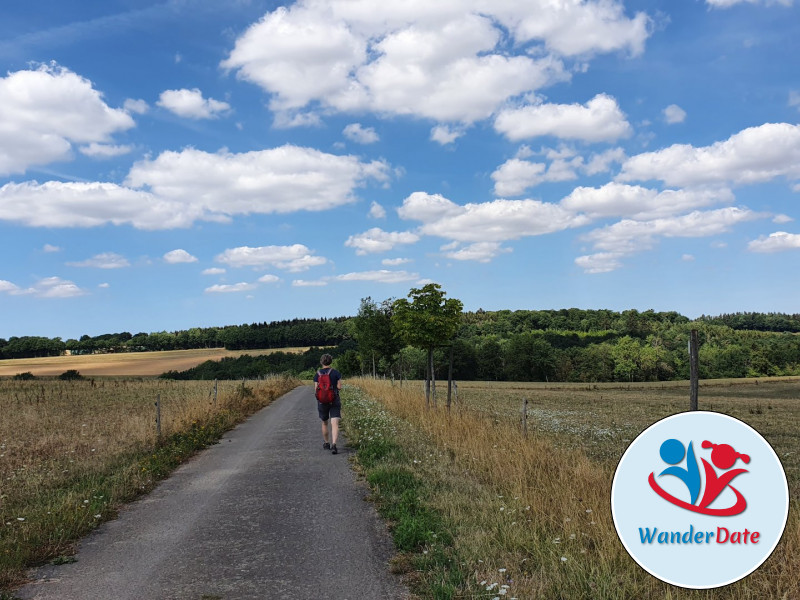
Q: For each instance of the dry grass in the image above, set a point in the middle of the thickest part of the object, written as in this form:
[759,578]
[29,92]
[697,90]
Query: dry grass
[71,452]
[127,364]
[539,507]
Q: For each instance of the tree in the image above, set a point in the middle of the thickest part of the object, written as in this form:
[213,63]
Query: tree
[372,329]
[427,321]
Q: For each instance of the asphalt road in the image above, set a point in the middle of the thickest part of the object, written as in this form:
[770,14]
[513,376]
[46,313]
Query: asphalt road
[265,514]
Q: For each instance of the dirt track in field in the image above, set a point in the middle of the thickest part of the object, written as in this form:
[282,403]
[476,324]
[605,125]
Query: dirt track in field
[133,364]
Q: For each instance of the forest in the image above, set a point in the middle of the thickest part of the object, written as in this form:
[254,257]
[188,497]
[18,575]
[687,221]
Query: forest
[522,345]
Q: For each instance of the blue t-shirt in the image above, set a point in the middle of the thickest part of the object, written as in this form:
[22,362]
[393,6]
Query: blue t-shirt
[335,377]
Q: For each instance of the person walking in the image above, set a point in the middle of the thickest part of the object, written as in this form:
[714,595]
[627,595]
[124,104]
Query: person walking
[327,383]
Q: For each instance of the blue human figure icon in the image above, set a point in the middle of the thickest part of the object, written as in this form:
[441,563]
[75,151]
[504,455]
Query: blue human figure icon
[672,453]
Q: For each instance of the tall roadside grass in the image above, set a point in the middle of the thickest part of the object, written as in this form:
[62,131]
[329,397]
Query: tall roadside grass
[533,513]
[72,452]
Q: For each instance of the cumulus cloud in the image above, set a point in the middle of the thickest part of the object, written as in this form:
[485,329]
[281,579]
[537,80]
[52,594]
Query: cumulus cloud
[754,155]
[378,276]
[269,279]
[48,248]
[48,110]
[230,288]
[139,107]
[729,3]
[626,237]
[601,162]
[496,221]
[213,271]
[376,211]
[308,283]
[377,240]
[361,135]
[775,242]
[395,262]
[794,99]
[444,134]
[640,203]
[96,150]
[290,258]
[674,114]
[446,60]
[7,286]
[191,104]
[49,287]
[174,257]
[515,176]
[781,219]
[599,120]
[479,251]
[106,260]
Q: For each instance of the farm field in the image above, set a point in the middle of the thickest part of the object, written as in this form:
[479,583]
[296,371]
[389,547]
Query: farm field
[71,452]
[534,513]
[128,364]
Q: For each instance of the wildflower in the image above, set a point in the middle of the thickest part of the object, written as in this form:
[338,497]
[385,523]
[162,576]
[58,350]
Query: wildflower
[20,518]
[502,570]
[564,559]
[98,516]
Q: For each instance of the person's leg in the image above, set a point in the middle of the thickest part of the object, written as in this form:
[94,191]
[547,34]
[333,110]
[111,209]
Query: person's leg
[325,436]
[334,429]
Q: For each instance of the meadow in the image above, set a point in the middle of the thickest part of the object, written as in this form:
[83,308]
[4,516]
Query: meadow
[125,364]
[72,452]
[533,513]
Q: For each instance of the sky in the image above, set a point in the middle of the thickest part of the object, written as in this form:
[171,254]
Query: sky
[192,163]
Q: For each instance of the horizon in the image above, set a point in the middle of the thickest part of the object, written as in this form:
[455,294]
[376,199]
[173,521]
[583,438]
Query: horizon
[172,165]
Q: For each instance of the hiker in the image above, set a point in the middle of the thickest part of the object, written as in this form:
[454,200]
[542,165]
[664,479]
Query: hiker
[327,383]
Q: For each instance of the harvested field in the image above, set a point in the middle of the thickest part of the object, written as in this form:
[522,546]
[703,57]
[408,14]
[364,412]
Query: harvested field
[128,364]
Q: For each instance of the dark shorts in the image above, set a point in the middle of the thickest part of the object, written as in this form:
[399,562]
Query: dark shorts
[330,410]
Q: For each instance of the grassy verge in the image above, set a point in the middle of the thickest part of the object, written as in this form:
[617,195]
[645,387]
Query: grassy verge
[55,486]
[531,514]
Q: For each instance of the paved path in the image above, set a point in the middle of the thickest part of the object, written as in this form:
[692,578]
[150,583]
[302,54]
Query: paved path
[265,514]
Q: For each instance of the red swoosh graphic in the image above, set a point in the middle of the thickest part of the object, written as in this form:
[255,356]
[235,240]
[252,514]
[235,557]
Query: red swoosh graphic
[737,508]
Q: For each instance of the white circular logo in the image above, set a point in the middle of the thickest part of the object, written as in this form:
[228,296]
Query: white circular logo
[699,500]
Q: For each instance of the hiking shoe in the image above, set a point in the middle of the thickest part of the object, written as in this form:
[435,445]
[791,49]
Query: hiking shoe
[334,450]
[326,446]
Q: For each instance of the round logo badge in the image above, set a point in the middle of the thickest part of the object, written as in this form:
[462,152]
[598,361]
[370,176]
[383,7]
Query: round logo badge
[699,499]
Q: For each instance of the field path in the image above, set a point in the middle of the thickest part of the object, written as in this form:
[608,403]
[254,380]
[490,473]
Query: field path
[266,513]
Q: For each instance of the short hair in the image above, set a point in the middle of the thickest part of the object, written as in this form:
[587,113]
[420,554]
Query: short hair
[326,360]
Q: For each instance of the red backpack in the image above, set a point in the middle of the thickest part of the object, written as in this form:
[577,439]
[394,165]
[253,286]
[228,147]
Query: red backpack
[325,392]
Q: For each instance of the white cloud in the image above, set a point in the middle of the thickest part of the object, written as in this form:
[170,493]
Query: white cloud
[308,283]
[48,248]
[378,240]
[640,203]
[479,251]
[775,242]
[213,271]
[139,107]
[291,119]
[290,258]
[361,135]
[599,120]
[602,262]
[601,162]
[280,180]
[46,111]
[444,134]
[687,258]
[781,219]
[794,99]
[269,279]
[496,221]
[627,237]
[104,286]
[446,60]
[50,287]
[96,150]
[106,260]
[395,262]
[754,155]
[191,104]
[7,286]
[674,114]
[230,289]
[515,176]
[379,276]
[376,211]
[174,257]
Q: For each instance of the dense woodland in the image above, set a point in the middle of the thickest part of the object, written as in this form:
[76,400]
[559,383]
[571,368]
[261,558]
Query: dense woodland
[542,345]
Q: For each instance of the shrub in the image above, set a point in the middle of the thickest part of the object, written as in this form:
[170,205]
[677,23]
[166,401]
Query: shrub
[26,376]
[70,375]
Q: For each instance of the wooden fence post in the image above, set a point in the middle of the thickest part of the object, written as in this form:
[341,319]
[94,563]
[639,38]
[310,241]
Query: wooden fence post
[525,417]
[215,393]
[694,369]
[158,417]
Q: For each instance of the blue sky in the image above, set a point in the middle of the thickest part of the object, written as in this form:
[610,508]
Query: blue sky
[165,165]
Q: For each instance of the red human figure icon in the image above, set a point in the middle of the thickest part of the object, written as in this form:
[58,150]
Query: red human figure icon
[724,457]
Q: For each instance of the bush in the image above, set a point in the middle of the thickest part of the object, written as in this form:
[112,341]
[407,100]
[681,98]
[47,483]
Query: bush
[70,375]
[26,376]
